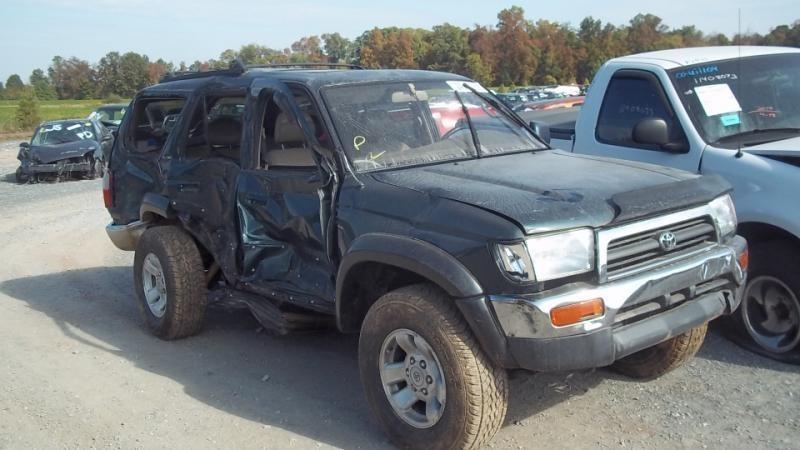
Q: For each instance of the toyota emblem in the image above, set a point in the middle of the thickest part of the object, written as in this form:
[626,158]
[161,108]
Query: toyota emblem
[667,240]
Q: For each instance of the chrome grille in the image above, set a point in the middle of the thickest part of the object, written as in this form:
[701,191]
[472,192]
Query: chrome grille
[636,247]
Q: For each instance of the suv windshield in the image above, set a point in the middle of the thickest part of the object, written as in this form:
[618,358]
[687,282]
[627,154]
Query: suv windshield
[62,133]
[743,101]
[396,124]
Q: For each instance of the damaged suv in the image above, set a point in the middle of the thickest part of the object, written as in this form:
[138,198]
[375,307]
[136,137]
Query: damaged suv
[415,208]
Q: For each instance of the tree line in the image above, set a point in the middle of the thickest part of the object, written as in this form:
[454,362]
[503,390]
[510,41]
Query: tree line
[515,51]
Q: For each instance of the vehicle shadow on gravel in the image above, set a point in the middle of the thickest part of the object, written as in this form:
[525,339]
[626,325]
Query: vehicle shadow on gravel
[305,384]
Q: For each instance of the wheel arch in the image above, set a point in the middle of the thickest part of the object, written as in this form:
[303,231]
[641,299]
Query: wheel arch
[759,232]
[377,263]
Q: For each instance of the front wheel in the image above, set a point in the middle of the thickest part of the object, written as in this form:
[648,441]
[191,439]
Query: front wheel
[21,177]
[427,382]
[661,358]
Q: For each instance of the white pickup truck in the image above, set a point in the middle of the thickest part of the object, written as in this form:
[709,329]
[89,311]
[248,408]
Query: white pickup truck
[731,111]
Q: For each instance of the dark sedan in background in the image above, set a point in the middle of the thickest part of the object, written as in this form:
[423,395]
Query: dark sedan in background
[62,148]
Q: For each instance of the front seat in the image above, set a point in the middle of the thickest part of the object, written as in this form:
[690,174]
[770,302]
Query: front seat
[288,148]
[225,137]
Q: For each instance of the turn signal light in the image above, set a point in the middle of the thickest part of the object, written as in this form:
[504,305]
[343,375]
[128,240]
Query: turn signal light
[744,259]
[573,313]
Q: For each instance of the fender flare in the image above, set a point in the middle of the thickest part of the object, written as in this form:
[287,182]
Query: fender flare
[154,205]
[413,255]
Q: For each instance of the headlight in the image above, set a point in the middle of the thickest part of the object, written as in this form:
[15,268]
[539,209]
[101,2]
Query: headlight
[550,257]
[724,214]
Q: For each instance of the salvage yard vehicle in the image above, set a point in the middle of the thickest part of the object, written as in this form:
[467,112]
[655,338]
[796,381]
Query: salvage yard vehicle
[458,250]
[109,115]
[62,148]
[730,111]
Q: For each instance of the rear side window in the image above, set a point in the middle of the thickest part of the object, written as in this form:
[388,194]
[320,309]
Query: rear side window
[153,121]
[629,100]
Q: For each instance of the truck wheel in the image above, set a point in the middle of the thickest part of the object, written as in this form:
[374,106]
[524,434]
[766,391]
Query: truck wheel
[661,358]
[169,282]
[770,311]
[21,177]
[427,381]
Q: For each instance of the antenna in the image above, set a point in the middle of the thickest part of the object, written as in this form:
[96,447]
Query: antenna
[739,153]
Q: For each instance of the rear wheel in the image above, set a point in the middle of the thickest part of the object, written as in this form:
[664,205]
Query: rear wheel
[661,358]
[169,282]
[427,382]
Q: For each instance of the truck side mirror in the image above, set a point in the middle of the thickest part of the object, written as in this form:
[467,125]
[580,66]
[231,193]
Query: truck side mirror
[651,131]
[656,132]
[541,130]
[24,145]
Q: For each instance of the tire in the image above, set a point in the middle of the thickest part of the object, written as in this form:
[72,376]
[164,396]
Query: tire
[768,320]
[471,392]
[21,177]
[178,301]
[661,358]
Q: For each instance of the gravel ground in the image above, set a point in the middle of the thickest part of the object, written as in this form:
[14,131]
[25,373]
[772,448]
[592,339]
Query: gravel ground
[79,369]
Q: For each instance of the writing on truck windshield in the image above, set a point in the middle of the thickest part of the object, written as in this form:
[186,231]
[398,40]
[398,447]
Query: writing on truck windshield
[742,101]
[62,133]
[397,124]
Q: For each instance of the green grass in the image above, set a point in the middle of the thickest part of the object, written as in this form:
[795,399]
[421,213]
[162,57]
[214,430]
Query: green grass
[48,110]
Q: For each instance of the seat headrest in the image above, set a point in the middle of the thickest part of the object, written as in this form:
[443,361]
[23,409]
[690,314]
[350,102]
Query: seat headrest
[287,130]
[224,132]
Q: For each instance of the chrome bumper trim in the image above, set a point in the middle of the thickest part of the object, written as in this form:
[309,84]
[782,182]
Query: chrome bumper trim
[528,316]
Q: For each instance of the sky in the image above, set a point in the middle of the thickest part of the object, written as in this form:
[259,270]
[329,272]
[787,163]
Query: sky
[33,31]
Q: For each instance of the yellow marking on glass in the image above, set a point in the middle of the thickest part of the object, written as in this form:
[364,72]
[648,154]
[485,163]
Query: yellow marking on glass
[358,141]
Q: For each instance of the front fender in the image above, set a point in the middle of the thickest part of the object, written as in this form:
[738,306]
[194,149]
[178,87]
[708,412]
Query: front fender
[413,255]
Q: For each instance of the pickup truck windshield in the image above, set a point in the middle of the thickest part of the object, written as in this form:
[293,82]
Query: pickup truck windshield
[745,101]
[393,124]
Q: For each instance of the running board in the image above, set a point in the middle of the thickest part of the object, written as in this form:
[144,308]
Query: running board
[279,319]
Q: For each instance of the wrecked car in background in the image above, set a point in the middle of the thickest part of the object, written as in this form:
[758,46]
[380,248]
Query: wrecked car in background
[109,115]
[61,148]
[459,245]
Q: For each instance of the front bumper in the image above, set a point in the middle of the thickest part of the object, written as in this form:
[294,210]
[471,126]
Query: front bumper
[126,236]
[59,167]
[640,311]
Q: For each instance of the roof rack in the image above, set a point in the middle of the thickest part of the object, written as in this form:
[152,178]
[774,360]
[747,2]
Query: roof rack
[238,67]
[305,66]
[188,75]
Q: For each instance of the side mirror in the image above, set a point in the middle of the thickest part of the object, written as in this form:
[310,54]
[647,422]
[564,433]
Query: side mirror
[656,132]
[651,131]
[24,145]
[542,130]
[107,137]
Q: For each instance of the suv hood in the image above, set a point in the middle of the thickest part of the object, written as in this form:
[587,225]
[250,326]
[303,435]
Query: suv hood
[552,190]
[51,153]
[784,147]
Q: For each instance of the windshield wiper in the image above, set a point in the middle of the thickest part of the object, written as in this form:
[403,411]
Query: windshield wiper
[755,132]
[472,130]
[503,108]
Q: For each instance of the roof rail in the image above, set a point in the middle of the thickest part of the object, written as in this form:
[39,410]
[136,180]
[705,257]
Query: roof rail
[238,67]
[188,75]
[305,66]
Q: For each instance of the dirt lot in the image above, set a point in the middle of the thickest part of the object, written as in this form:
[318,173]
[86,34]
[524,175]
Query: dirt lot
[78,369]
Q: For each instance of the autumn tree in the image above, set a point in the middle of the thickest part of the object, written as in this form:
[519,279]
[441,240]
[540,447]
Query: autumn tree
[307,50]
[517,58]
[72,78]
